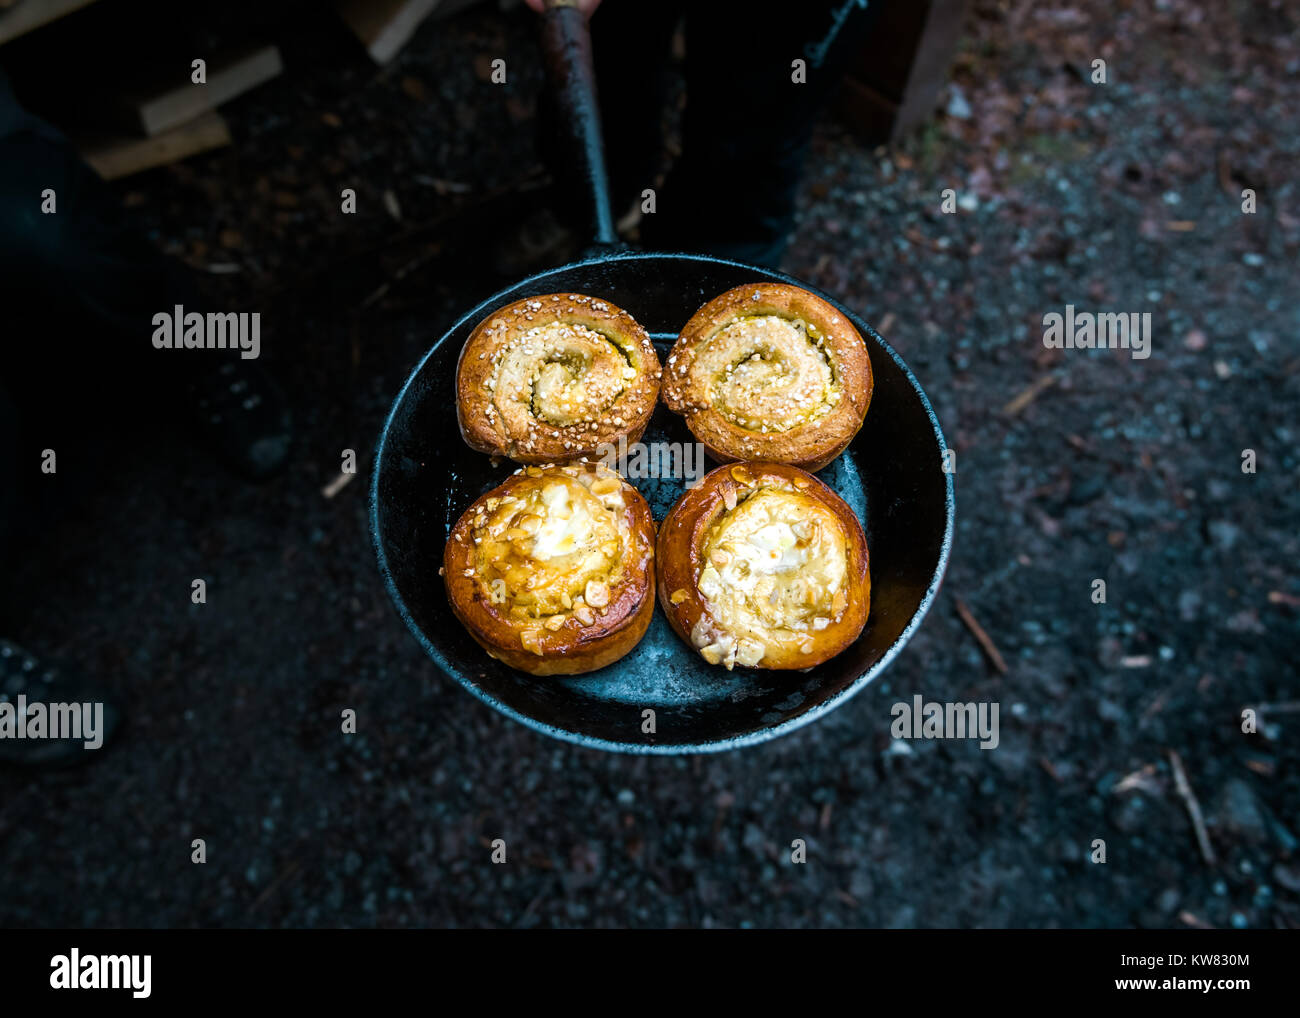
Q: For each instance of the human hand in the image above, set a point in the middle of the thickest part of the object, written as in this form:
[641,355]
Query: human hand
[586,6]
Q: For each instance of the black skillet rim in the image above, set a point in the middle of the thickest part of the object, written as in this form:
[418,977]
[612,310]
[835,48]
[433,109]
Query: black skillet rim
[665,749]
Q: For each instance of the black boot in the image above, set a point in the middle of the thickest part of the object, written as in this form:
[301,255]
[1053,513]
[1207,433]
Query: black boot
[86,276]
[28,687]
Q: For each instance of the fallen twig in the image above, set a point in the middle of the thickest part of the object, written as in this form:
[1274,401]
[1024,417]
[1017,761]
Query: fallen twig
[275,885]
[419,261]
[1157,705]
[1142,779]
[986,643]
[443,186]
[1224,173]
[530,909]
[1193,807]
[1029,395]
[337,485]
[1290,707]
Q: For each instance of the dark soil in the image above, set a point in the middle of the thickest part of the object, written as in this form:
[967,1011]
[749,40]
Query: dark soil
[1124,197]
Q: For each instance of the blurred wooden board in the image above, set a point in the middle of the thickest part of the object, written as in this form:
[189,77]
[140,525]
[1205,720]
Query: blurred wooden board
[384,26]
[894,84]
[120,157]
[179,100]
[26,15]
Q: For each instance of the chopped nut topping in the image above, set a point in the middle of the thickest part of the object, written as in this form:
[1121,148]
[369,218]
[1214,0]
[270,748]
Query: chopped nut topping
[749,653]
[700,636]
[597,593]
[531,639]
[712,653]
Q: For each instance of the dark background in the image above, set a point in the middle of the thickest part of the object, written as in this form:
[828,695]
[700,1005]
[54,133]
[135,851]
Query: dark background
[1122,469]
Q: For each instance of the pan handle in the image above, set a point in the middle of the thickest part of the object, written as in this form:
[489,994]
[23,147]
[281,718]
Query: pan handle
[566,48]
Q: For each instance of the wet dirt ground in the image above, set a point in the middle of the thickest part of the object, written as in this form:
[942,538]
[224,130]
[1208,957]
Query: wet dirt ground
[1117,197]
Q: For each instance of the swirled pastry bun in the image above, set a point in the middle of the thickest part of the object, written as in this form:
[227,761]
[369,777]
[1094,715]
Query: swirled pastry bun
[553,572]
[772,372]
[549,379]
[762,565]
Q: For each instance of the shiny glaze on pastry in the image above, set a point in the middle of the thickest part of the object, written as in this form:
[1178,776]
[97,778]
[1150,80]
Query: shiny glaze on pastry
[550,379]
[764,566]
[772,372]
[553,572]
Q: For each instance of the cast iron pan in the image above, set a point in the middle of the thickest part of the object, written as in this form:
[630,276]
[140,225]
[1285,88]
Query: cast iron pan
[425,477]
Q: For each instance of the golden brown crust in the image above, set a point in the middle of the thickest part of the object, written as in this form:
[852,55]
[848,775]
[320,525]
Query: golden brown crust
[550,379]
[553,572]
[764,566]
[772,372]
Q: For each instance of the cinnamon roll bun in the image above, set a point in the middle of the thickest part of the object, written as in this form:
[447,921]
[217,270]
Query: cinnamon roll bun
[771,372]
[553,572]
[550,379]
[762,565]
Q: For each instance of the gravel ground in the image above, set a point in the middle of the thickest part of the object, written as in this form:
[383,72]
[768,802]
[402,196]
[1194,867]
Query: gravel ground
[1122,197]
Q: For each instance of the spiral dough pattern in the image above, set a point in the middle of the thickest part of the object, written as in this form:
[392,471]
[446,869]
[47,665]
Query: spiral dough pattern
[553,378]
[772,372]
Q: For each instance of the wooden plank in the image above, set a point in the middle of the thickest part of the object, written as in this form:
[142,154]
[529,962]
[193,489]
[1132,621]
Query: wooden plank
[27,15]
[895,81]
[930,63]
[178,101]
[384,26]
[113,158]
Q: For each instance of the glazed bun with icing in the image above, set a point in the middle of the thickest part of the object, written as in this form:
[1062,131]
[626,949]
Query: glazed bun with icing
[552,378]
[552,573]
[770,372]
[763,566]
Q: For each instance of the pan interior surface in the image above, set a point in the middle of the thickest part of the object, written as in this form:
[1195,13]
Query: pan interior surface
[891,475]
